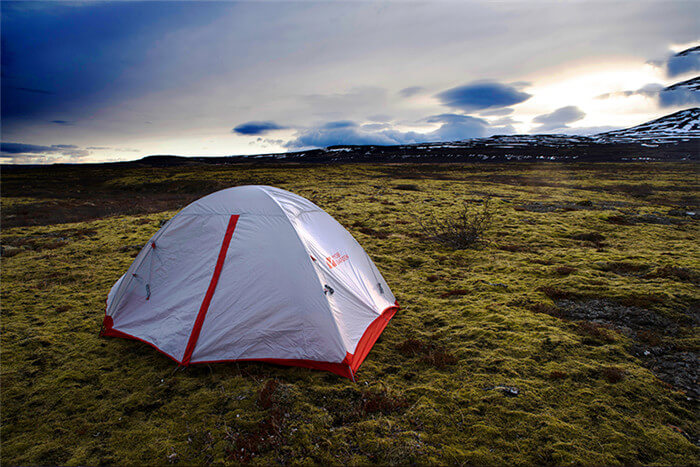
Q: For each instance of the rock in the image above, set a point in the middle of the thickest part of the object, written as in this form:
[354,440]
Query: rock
[510,391]
[8,251]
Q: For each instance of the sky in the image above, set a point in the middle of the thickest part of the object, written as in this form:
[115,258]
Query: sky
[87,81]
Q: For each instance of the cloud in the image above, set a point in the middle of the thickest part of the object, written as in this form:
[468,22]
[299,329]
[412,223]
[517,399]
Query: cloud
[496,112]
[381,118]
[482,95]
[681,94]
[32,90]
[339,124]
[560,118]
[648,90]
[256,128]
[323,137]
[589,130]
[686,61]
[357,99]
[29,153]
[375,126]
[678,95]
[62,122]
[457,127]
[453,127]
[411,91]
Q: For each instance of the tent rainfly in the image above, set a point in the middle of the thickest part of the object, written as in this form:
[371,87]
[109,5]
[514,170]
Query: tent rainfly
[253,273]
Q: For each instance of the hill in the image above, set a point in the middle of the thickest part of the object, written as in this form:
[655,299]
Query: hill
[672,137]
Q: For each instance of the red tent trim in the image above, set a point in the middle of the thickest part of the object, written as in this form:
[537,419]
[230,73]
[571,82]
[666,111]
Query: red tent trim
[346,368]
[197,328]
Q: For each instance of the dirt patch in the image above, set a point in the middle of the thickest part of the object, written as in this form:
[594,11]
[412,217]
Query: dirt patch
[652,333]
[627,319]
[43,241]
[653,218]
[624,268]
[676,273]
[582,205]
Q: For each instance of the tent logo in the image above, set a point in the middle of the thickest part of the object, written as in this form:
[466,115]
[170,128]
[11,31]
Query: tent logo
[336,259]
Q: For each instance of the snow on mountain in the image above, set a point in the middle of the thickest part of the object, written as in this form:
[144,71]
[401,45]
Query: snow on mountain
[684,124]
[693,84]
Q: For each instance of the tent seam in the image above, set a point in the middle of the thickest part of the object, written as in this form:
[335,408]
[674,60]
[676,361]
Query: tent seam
[313,268]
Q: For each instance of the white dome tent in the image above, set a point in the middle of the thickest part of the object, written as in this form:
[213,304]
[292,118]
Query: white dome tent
[253,273]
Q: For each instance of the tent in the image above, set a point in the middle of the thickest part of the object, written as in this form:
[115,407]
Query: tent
[253,273]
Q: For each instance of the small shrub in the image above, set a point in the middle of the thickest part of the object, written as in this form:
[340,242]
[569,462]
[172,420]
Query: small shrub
[411,347]
[649,337]
[558,375]
[619,219]
[546,308]
[430,353]
[595,331]
[676,273]
[514,248]
[263,437]
[8,251]
[432,278]
[558,294]
[439,357]
[407,187]
[381,402]
[374,233]
[463,230]
[593,237]
[624,268]
[413,262]
[564,270]
[265,396]
[451,293]
[612,374]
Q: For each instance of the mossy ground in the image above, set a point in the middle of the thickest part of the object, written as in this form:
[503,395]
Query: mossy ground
[435,387]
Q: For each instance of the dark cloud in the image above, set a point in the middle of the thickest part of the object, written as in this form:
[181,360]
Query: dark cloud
[560,118]
[31,153]
[681,94]
[339,124]
[678,97]
[256,128]
[683,62]
[482,95]
[411,91]
[35,91]
[62,122]
[72,56]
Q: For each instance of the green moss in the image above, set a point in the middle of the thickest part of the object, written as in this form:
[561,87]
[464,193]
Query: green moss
[71,397]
